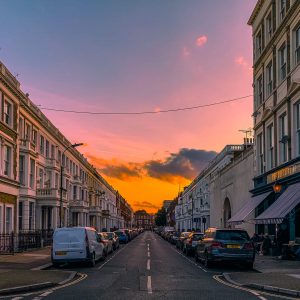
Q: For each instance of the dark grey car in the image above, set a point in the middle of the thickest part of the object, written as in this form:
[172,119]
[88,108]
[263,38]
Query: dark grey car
[220,245]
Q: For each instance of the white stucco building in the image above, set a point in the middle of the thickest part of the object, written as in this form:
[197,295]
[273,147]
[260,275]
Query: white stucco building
[194,203]
[32,152]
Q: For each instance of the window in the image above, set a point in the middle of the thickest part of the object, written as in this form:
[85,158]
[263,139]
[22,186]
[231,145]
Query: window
[282,63]
[31,173]
[74,192]
[259,94]
[31,216]
[8,113]
[21,169]
[270,146]
[7,160]
[27,132]
[34,136]
[297,127]
[52,152]
[47,149]
[282,9]
[258,44]
[297,45]
[269,78]
[21,133]
[56,180]
[41,179]
[283,138]
[42,145]
[260,154]
[20,215]
[8,219]
[269,27]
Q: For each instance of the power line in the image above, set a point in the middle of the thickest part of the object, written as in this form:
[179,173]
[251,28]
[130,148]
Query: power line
[146,112]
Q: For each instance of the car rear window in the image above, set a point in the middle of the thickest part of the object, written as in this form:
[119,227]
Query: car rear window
[69,236]
[197,237]
[232,235]
[119,233]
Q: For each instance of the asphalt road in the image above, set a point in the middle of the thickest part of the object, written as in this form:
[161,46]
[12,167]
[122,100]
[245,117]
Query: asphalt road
[148,268]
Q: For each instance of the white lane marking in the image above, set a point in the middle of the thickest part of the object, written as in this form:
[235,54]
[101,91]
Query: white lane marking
[148,253]
[217,277]
[17,298]
[46,293]
[148,264]
[149,285]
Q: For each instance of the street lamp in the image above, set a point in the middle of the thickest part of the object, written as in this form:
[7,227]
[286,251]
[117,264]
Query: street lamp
[61,181]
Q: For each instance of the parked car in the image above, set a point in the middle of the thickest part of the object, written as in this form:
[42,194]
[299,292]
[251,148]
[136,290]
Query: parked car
[107,242]
[123,237]
[220,245]
[174,238]
[182,237]
[191,242]
[76,244]
[115,240]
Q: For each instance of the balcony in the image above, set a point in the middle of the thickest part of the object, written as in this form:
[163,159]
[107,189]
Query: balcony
[79,203]
[26,145]
[95,209]
[51,162]
[46,193]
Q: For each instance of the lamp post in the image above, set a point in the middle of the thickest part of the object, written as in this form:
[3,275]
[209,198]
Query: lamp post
[61,181]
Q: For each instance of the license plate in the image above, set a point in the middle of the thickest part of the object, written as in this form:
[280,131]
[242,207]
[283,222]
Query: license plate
[60,253]
[234,246]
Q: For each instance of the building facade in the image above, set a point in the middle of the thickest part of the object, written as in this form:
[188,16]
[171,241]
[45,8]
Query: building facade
[142,219]
[276,81]
[9,149]
[45,181]
[230,193]
[193,210]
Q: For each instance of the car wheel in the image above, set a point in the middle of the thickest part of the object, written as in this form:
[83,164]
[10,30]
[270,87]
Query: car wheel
[207,262]
[93,261]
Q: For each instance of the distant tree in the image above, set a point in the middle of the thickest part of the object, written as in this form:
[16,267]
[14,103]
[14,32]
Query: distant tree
[161,217]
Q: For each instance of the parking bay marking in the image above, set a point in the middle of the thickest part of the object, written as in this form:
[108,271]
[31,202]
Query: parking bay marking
[218,278]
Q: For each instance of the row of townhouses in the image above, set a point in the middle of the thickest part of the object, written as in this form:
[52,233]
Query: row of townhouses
[45,182]
[258,187]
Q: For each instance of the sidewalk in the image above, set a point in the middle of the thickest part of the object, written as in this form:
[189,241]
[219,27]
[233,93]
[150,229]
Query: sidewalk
[22,272]
[276,275]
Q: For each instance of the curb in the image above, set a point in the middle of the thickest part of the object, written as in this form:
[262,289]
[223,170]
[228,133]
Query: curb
[275,289]
[26,288]
[268,288]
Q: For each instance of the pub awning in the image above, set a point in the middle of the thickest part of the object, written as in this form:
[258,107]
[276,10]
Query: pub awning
[276,213]
[247,209]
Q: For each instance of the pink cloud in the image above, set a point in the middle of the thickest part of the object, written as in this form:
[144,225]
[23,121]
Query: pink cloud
[241,61]
[186,52]
[201,40]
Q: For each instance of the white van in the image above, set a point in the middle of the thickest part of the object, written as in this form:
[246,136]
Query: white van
[76,244]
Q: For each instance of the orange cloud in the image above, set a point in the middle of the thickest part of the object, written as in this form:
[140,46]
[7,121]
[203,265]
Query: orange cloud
[201,40]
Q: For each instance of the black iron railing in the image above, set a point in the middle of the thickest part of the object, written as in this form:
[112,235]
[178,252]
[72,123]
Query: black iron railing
[24,240]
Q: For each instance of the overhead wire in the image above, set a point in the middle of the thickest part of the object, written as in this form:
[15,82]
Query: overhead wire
[146,112]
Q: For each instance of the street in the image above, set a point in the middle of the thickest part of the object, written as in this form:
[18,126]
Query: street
[147,268]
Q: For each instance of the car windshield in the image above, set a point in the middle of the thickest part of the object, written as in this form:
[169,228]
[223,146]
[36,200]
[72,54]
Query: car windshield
[119,233]
[197,236]
[232,235]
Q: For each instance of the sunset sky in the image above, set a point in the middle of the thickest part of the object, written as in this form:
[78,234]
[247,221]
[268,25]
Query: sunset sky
[135,56]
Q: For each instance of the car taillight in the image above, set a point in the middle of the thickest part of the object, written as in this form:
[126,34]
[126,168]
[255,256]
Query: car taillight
[217,245]
[248,246]
[190,241]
